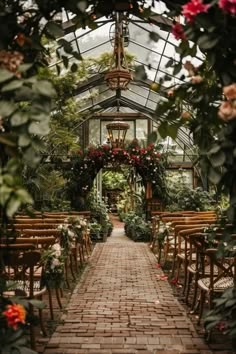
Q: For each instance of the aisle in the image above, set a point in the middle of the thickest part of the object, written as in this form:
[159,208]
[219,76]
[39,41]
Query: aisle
[120,307]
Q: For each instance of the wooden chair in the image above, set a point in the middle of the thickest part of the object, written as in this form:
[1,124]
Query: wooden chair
[21,263]
[221,277]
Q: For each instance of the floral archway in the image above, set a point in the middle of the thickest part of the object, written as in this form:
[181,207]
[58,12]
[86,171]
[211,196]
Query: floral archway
[149,163]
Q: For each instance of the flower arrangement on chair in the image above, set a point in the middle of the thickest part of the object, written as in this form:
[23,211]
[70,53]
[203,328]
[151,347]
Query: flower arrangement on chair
[78,225]
[53,266]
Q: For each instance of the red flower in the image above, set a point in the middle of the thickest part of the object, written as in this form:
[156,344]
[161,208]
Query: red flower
[15,314]
[178,31]
[228,6]
[158,265]
[174,281]
[192,8]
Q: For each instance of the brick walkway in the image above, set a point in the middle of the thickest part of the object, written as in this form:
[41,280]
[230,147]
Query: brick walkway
[120,307]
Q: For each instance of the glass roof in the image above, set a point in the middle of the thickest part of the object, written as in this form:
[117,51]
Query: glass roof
[152,55]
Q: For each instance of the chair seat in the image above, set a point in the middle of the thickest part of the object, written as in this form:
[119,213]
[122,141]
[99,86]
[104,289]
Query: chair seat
[182,256]
[21,288]
[193,269]
[219,286]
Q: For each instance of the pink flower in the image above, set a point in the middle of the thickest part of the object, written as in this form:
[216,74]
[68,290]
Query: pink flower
[192,8]
[230,91]
[227,111]
[228,6]
[158,265]
[178,31]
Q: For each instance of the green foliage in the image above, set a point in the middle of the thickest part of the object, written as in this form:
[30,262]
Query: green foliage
[137,228]
[12,194]
[99,214]
[113,180]
[186,198]
[223,315]
[47,186]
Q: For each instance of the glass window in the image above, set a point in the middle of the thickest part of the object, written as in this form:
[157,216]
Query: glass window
[94,131]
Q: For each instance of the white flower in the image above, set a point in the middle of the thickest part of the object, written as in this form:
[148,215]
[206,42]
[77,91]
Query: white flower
[57,249]
[55,262]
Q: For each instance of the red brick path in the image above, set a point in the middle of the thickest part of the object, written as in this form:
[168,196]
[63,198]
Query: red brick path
[120,307]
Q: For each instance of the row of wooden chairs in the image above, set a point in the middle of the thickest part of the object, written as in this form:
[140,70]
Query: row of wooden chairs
[191,244]
[30,237]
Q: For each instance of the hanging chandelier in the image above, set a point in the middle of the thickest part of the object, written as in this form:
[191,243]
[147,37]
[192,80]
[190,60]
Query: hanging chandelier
[118,76]
[116,133]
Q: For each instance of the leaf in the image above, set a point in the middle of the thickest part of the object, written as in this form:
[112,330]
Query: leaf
[212,324]
[7,108]
[45,88]
[65,61]
[152,138]
[66,45]
[169,63]
[215,148]
[162,129]
[154,36]
[24,67]
[37,303]
[177,69]
[173,130]
[77,55]
[5,75]
[54,29]
[12,206]
[207,42]
[13,85]
[19,118]
[140,73]
[41,128]
[214,176]
[24,196]
[218,159]
[24,140]
[74,67]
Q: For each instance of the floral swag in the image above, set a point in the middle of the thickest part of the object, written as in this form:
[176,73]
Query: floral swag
[148,162]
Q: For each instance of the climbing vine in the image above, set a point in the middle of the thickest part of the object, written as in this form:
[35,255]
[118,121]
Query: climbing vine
[149,163]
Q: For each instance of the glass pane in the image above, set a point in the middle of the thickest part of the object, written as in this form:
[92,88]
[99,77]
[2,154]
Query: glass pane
[141,129]
[181,176]
[94,131]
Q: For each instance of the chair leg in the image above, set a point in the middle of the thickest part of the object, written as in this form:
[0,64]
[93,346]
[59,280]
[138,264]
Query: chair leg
[50,303]
[185,274]
[75,254]
[71,267]
[194,293]
[32,329]
[173,263]
[188,285]
[58,297]
[81,258]
[202,301]
[179,262]
[66,274]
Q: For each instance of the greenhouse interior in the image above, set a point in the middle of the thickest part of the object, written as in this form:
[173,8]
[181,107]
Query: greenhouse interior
[118,176]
